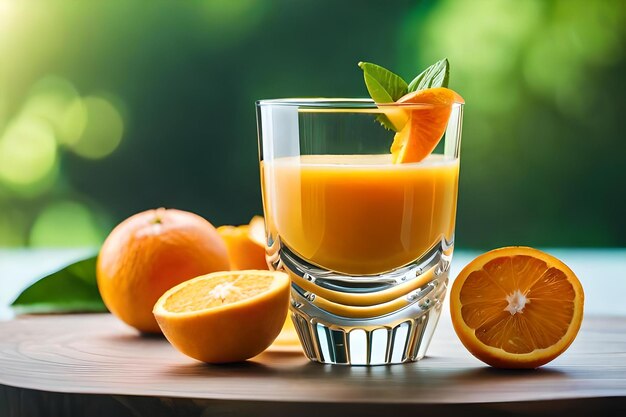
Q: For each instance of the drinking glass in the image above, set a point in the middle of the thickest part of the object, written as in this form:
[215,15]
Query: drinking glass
[367,242]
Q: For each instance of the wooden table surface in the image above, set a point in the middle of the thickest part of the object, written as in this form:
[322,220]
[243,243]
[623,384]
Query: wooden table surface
[94,365]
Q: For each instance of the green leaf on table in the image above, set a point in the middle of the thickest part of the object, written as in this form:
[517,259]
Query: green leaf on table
[437,75]
[71,289]
[384,87]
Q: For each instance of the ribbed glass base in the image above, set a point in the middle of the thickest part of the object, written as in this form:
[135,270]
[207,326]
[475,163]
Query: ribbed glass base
[368,320]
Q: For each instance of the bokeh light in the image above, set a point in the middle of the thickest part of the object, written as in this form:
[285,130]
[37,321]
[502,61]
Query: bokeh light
[103,130]
[28,153]
[71,123]
[66,223]
[57,101]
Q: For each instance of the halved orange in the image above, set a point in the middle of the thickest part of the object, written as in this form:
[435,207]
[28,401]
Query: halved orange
[256,231]
[225,316]
[426,124]
[245,244]
[516,307]
[246,250]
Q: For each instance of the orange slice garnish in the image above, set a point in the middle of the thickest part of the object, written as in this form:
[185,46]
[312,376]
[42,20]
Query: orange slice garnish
[425,125]
[516,307]
[226,316]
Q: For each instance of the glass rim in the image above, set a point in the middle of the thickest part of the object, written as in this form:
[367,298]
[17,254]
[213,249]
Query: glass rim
[342,103]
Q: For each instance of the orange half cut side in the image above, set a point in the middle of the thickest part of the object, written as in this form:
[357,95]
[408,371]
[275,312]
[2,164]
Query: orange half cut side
[246,248]
[516,307]
[226,316]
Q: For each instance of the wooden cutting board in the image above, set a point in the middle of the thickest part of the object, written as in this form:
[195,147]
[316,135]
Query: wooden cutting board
[95,365]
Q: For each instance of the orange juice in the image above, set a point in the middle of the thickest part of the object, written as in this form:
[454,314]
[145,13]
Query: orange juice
[360,214]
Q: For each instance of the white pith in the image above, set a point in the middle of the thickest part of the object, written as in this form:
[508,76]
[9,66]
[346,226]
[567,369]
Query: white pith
[222,291]
[517,301]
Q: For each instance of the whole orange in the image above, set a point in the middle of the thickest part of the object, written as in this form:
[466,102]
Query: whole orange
[151,252]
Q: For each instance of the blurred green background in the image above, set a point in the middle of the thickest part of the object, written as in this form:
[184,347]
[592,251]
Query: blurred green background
[108,108]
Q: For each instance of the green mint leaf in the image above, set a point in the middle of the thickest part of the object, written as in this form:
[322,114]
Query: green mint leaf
[437,75]
[68,290]
[384,87]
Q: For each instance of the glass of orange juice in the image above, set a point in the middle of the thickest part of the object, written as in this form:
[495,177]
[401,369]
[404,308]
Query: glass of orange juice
[367,242]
